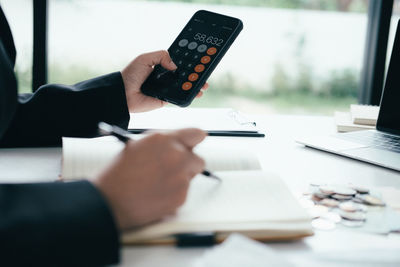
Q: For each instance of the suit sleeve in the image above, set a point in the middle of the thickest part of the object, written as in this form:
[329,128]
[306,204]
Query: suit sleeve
[56,224]
[53,111]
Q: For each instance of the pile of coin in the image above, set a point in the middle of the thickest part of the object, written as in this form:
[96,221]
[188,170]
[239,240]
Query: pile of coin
[348,205]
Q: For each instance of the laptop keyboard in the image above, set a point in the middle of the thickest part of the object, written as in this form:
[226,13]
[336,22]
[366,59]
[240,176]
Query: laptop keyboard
[374,139]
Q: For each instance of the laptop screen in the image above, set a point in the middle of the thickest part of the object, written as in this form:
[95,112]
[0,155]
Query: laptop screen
[389,115]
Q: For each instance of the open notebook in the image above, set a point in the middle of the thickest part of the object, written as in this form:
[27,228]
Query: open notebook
[248,200]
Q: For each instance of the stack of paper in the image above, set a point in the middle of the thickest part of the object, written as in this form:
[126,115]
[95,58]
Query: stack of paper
[364,114]
[360,117]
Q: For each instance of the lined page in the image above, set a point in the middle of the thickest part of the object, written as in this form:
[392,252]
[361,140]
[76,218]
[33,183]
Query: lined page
[241,197]
[84,158]
[243,201]
[227,158]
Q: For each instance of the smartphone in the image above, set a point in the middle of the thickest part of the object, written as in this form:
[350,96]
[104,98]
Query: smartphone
[196,51]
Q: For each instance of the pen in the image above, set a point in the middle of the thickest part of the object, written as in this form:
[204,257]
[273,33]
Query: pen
[123,136]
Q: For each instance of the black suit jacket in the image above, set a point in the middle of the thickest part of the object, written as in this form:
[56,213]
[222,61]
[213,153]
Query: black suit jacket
[55,223]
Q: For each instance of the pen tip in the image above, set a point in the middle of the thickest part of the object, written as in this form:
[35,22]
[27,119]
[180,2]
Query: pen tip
[216,177]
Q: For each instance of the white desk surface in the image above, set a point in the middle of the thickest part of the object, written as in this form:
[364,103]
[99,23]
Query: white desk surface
[278,152]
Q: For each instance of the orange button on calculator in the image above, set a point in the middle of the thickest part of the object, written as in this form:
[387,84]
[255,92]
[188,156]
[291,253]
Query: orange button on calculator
[211,51]
[199,68]
[205,59]
[186,86]
[193,77]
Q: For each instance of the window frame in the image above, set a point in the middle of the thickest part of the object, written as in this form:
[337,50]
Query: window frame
[374,63]
[40,27]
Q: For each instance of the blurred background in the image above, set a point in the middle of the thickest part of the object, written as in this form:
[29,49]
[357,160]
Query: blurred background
[293,56]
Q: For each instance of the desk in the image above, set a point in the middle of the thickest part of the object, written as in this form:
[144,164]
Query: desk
[278,153]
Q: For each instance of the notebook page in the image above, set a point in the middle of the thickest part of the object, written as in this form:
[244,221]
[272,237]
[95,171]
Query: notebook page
[226,158]
[84,158]
[246,196]
[243,201]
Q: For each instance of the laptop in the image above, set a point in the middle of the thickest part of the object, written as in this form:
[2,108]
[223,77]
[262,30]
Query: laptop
[381,146]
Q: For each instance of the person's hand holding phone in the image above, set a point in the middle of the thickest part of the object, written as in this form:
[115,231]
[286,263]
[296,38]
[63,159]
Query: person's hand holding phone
[137,72]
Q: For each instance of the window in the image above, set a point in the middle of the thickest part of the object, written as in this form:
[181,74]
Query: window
[292,56]
[19,14]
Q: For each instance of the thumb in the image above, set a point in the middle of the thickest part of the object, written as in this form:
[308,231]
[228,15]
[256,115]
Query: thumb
[159,57]
[189,137]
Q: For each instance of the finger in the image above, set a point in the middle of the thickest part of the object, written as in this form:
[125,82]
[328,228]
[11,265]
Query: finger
[189,137]
[196,165]
[159,57]
[200,94]
[205,86]
[167,63]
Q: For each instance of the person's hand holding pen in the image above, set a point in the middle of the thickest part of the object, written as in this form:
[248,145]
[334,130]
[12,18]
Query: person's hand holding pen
[149,179]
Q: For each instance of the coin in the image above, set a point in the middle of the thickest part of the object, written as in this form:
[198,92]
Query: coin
[344,190]
[327,190]
[341,197]
[331,216]
[348,223]
[359,189]
[357,200]
[315,199]
[329,202]
[320,194]
[317,196]
[350,206]
[322,224]
[353,216]
[371,200]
